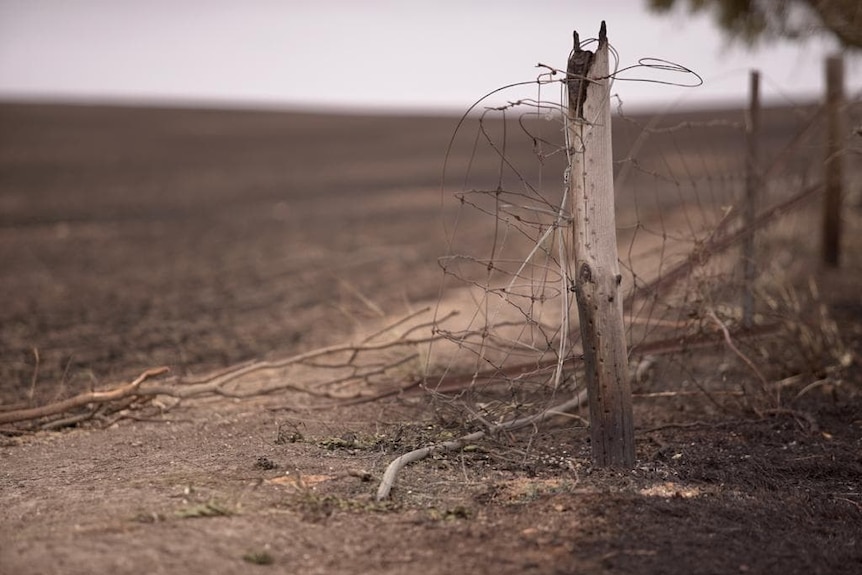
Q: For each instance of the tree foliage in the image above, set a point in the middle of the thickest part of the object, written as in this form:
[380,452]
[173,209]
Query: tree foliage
[753,20]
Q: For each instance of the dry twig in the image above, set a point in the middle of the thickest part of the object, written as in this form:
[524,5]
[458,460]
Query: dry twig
[80,400]
[418,454]
[377,356]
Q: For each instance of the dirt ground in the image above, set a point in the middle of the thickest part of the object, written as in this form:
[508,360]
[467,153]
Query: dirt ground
[134,238]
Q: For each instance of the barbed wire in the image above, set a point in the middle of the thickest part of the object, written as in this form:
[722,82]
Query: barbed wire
[677,186]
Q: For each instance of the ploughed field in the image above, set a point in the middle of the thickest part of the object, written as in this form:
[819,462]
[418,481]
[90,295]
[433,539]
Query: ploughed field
[199,239]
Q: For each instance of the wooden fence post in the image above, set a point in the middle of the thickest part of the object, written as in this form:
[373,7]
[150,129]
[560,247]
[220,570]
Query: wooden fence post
[752,190]
[834,162]
[596,267]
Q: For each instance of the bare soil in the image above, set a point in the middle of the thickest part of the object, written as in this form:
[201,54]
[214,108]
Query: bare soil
[131,238]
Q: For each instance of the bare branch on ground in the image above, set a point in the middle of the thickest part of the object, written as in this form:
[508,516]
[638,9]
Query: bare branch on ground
[347,370]
[400,462]
[80,400]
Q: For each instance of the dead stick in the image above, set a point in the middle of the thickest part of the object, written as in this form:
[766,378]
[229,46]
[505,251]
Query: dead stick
[459,382]
[81,399]
[398,463]
[210,383]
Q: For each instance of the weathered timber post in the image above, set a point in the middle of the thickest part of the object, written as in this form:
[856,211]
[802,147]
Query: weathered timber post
[752,190]
[596,267]
[834,162]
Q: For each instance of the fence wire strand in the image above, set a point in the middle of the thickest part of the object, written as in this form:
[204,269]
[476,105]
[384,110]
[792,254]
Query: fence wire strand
[679,182]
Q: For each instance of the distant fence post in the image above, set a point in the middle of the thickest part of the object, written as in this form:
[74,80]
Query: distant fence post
[752,190]
[833,165]
[596,266]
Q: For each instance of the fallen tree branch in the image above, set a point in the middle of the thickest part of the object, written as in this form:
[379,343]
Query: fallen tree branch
[381,356]
[214,382]
[446,383]
[400,462]
[453,383]
[81,400]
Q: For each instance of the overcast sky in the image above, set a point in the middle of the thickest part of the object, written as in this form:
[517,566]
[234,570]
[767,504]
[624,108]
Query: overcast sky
[374,54]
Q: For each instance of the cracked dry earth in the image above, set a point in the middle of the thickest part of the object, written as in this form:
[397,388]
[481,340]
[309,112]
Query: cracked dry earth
[200,239]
